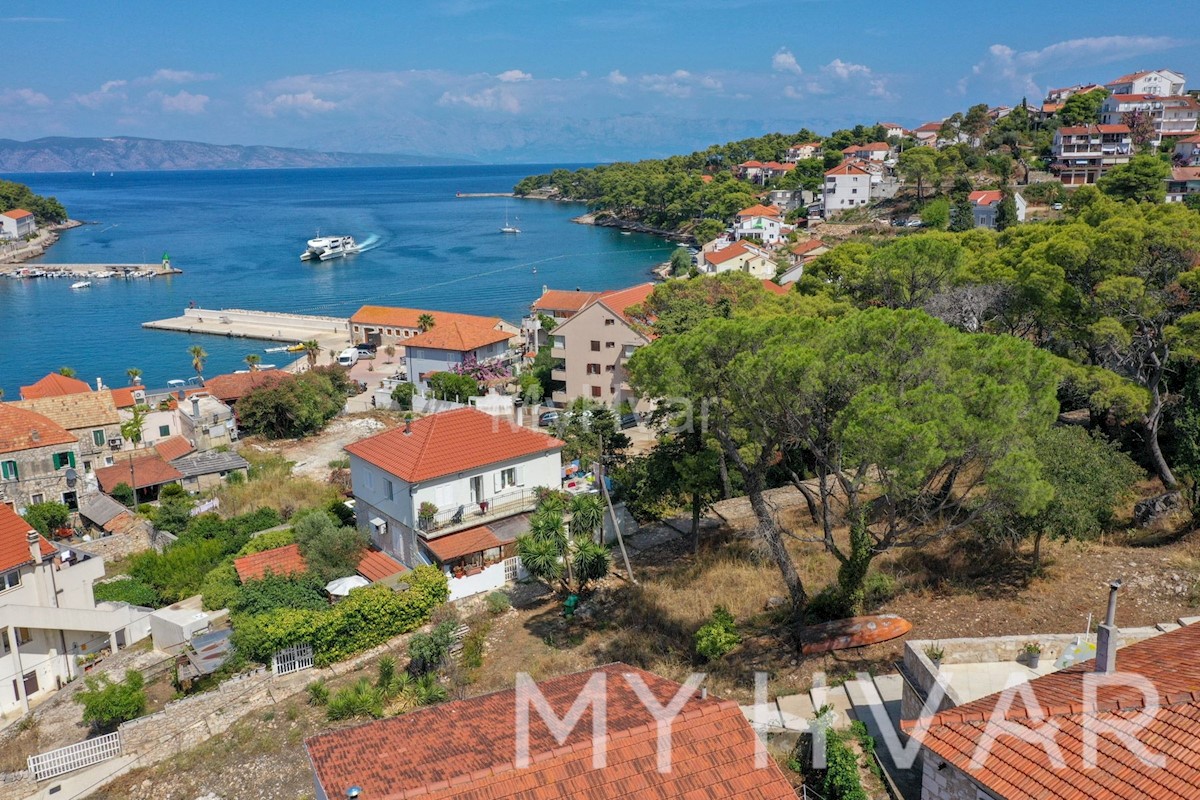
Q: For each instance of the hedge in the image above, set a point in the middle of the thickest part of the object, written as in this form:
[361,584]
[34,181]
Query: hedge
[368,617]
[126,590]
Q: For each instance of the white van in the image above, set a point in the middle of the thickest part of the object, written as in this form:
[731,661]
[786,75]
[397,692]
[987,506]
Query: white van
[349,357]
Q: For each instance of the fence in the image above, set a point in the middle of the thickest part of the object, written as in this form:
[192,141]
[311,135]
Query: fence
[205,507]
[292,659]
[514,570]
[75,756]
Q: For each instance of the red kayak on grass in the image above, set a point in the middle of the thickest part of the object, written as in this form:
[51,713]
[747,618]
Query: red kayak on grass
[844,634]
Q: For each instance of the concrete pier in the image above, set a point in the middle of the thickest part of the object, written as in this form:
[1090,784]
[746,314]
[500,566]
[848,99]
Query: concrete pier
[331,332]
[87,270]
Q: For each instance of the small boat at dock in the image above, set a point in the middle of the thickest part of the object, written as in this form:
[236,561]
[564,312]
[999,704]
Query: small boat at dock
[281,349]
[81,285]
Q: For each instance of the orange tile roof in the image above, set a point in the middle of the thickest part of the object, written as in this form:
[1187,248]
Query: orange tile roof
[759,211]
[800,248]
[459,335]
[148,469]
[465,749]
[620,300]
[376,565]
[1014,768]
[233,386]
[873,146]
[930,127]
[1092,130]
[985,197]
[706,178]
[847,168]
[1052,108]
[54,385]
[22,429]
[77,410]
[563,300]
[738,248]
[17,213]
[454,545]
[1185,174]
[751,164]
[284,560]
[805,144]
[392,317]
[774,288]
[173,447]
[1133,76]
[14,540]
[123,396]
[1192,138]
[449,442]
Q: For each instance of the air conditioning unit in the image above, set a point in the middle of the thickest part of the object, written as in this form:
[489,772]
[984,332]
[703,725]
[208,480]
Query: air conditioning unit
[116,442]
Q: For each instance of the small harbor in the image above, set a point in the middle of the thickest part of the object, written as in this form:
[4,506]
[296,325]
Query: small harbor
[330,332]
[88,271]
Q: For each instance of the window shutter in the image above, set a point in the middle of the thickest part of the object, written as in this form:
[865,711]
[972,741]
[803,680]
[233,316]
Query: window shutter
[497,481]
[71,459]
[56,461]
[520,475]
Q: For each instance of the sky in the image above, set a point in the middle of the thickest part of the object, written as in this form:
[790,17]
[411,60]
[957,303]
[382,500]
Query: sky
[549,80]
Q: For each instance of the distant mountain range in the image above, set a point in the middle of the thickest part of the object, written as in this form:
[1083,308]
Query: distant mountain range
[127,153]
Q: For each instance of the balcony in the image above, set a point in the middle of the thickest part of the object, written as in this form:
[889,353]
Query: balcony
[558,352]
[472,514]
[559,396]
[558,374]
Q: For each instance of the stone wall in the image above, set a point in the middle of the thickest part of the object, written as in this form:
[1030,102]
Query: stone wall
[948,783]
[135,539]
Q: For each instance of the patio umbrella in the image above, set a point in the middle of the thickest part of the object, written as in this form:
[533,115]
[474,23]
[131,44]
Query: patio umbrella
[342,586]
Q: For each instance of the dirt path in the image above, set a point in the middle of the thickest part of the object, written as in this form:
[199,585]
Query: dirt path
[313,454]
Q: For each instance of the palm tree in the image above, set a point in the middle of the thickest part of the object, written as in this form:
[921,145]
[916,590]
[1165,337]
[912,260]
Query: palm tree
[66,372]
[134,373]
[252,361]
[131,428]
[587,513]
[198,355]
[312,349]
[425,322]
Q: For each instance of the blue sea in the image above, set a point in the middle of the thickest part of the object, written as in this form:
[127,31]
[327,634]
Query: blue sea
[238,235]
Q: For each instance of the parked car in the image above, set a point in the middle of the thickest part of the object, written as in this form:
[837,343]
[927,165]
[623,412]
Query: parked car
[629,421]
[366,349]
[548,419]
[348,357]
[1057,206]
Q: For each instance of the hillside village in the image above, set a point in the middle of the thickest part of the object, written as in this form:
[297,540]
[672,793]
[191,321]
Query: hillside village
[902,405]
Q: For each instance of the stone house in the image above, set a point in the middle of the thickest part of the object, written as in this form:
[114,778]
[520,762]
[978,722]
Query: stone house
[39,460]
[91,417]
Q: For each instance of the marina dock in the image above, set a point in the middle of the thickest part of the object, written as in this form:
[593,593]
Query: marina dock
[40,270]
[331,332]
[484,194]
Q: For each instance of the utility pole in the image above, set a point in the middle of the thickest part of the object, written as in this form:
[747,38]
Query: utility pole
[612,513]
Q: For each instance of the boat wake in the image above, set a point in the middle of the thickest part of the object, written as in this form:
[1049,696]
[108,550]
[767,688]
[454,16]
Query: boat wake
[370,243]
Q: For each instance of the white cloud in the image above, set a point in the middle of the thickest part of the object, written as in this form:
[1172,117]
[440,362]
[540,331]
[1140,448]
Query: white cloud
[616,78]
[177,76]
[679,83]
[493,99]
[844,77]
[785,61]
[110,92]
[1017,70]
[302,103]
[183,102]
[23,97]
[514,76]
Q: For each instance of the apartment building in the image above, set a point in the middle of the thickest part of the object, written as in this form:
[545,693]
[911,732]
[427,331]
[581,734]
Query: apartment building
[1172,116]
[847,186]
[1162,82]
[1085,152]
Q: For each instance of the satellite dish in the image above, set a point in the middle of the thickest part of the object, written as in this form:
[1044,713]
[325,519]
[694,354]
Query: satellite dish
[72,476]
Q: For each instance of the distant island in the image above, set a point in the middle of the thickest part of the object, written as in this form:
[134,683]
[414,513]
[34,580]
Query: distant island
[128,153]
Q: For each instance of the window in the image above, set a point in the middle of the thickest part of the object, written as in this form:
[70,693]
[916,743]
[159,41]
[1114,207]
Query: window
[37,498]
[609,345]
[10,580]
[610,321]
[596,345]
[609,368]
[387,489]
[369,478]
[98,438]
[8,471]
[164,430]
[513,476]
[87,466]
[108,461]
[593,369]
[595,391]
[61,460]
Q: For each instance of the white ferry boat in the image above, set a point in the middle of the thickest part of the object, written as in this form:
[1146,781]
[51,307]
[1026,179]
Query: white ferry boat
[324,248]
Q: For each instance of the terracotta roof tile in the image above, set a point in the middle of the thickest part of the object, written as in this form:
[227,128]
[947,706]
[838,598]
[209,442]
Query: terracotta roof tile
[459,335]
[284,560]
[14,540]
[1013,767]
[472,540]
[449,442]
[619,300]
[232,387]
[54,385]
[872,147]
[376,565]
[79,410]
[465,749]
[1185,174]
[774,288]
[17,213]
[22,429]
[800,248]
[173,447]
[985,197]
[393,317]
[760,211]
[563,300]
[738,248]
[848,168]
[147,470]
[123,396]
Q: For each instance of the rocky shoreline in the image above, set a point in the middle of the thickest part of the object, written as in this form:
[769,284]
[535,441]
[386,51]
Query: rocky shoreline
[603,219]
[40,244]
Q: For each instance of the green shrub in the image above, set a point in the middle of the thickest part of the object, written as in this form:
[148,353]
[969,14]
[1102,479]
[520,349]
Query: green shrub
[402,395]
[180,570]
[428,651]
[368,617]
[473,646]
[267,541]
[107,704]
[717,636]
[126,590]
[279,591]
[878,588]
[498,603]
[358,700]
[220,586]
[123,494]
[842,781]
[318,693]
[330,551]
[47,517]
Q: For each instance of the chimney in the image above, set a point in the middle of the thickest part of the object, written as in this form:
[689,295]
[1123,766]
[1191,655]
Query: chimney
[1106,634]
[196,408]
[35,546]
[35,435]
[99,384]
[408,426]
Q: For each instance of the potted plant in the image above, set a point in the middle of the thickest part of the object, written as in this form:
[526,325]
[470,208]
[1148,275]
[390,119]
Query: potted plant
[458,570]
[425,514]
[1033,654]
[935,653]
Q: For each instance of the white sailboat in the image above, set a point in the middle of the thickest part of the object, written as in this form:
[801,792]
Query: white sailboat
[509,228]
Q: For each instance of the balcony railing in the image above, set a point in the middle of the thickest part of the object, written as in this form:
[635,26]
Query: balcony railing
[469,515]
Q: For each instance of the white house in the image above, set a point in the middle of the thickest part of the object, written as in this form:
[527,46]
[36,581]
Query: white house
[1183,182]
[48,616]
[17,224]
[802,150]
[453,489]
[875,151]
[847,186]
[452,343]
[1162,82]
[763,223]
[1187,151]
[985,205]
[741,256]
[891,129]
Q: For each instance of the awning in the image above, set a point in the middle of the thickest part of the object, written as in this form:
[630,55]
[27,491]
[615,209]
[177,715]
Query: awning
[455,545]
